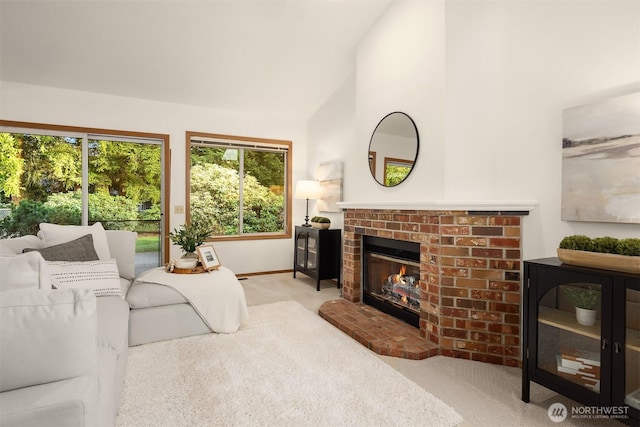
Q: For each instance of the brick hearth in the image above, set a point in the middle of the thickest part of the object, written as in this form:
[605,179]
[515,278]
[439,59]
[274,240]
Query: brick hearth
[469,276]
[379,332]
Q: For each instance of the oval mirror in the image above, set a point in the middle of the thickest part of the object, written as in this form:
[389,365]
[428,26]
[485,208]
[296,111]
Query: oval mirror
[393,149]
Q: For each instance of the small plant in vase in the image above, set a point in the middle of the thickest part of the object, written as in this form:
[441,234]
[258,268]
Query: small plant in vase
[320,222]
[189,237]
[586,301]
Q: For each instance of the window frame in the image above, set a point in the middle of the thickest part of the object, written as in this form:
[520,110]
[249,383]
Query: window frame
[248,142]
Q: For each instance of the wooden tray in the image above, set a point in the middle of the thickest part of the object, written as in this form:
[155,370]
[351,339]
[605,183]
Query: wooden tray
[627,264]
[196,270]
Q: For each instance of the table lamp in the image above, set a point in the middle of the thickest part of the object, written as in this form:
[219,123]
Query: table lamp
[307,190]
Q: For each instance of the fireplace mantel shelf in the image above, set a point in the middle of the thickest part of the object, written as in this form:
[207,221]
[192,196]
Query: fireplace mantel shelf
[446,205]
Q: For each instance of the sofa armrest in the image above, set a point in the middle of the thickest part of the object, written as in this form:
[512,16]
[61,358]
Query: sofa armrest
[46,336]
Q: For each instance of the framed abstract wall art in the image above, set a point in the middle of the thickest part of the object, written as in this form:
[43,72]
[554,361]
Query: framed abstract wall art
[601,161]
[330,177]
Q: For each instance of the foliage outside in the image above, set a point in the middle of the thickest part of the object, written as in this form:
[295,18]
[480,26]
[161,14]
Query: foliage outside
[215,193]
[40,181]
[114,212]
[396,174]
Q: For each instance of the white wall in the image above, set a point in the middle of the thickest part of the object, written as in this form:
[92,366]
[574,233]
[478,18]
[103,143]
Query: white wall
[486,83]
[72,108]
[400,67]
[331,135]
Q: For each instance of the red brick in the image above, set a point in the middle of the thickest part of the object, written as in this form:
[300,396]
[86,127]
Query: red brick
[471,262]
[454,272]
[454,251]
[505,308]
[512,297]
[471,283]
[471,241]
[473,304]
[512,231]
[454,333]
[474,324]
[504,286]
[504,329]
[486,252]
[391,226]
[512,318]
[453,312]
[470,346]
[456,292]
[504,242]
[487,231]
[504,220]
[486,295]
[487,274]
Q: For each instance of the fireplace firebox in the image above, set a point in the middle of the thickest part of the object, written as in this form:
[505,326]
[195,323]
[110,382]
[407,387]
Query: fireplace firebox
[391,276]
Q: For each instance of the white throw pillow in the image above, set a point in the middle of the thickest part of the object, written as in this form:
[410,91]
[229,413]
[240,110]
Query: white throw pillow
[24,271]
[122,245]
[100,276]
[54,234]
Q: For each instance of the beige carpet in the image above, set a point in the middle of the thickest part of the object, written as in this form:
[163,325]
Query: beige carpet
[286,367]
[485,395]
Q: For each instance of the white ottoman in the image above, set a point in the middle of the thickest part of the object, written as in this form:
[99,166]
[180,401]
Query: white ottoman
[167,305]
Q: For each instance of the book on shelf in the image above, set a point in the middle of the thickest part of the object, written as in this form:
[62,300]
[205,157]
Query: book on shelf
[579,366]
[590,358]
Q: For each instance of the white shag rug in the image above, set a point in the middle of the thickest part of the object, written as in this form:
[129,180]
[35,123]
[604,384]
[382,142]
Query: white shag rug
[285,367]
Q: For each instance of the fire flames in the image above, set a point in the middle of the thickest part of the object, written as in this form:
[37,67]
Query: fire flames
[398,278]
[403,288]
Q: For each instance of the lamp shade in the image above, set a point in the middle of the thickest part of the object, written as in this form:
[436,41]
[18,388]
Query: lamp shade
[307,190]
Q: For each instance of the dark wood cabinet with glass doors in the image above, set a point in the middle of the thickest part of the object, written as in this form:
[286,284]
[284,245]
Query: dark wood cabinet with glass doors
[594,361]
[318,253]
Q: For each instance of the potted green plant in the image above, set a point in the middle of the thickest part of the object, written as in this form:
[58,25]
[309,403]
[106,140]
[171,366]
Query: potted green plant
[601,252]
[586,300]
[320,222]
[189,237]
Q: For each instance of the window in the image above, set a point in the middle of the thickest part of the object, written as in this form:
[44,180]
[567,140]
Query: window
[396,170]
[70,175]
[239,187]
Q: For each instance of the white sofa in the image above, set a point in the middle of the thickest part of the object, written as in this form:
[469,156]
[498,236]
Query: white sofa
[63,352]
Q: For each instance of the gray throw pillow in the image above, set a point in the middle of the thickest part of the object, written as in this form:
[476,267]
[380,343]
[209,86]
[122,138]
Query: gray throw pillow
[80,249]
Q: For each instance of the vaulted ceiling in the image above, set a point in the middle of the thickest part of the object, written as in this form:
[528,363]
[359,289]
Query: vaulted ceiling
[275,57]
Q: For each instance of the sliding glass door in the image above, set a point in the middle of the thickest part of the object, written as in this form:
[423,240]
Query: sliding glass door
[76,178]
[125,191]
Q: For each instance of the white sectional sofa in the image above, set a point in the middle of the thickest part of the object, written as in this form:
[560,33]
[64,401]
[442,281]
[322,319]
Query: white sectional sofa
[63,352]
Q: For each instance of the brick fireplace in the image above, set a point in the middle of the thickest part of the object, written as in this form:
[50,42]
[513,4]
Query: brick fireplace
[470,268]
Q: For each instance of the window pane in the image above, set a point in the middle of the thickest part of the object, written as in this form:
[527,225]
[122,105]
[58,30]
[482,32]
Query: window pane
[215,188]
[42,177]
[263,192]
[218,196]
[125,193]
